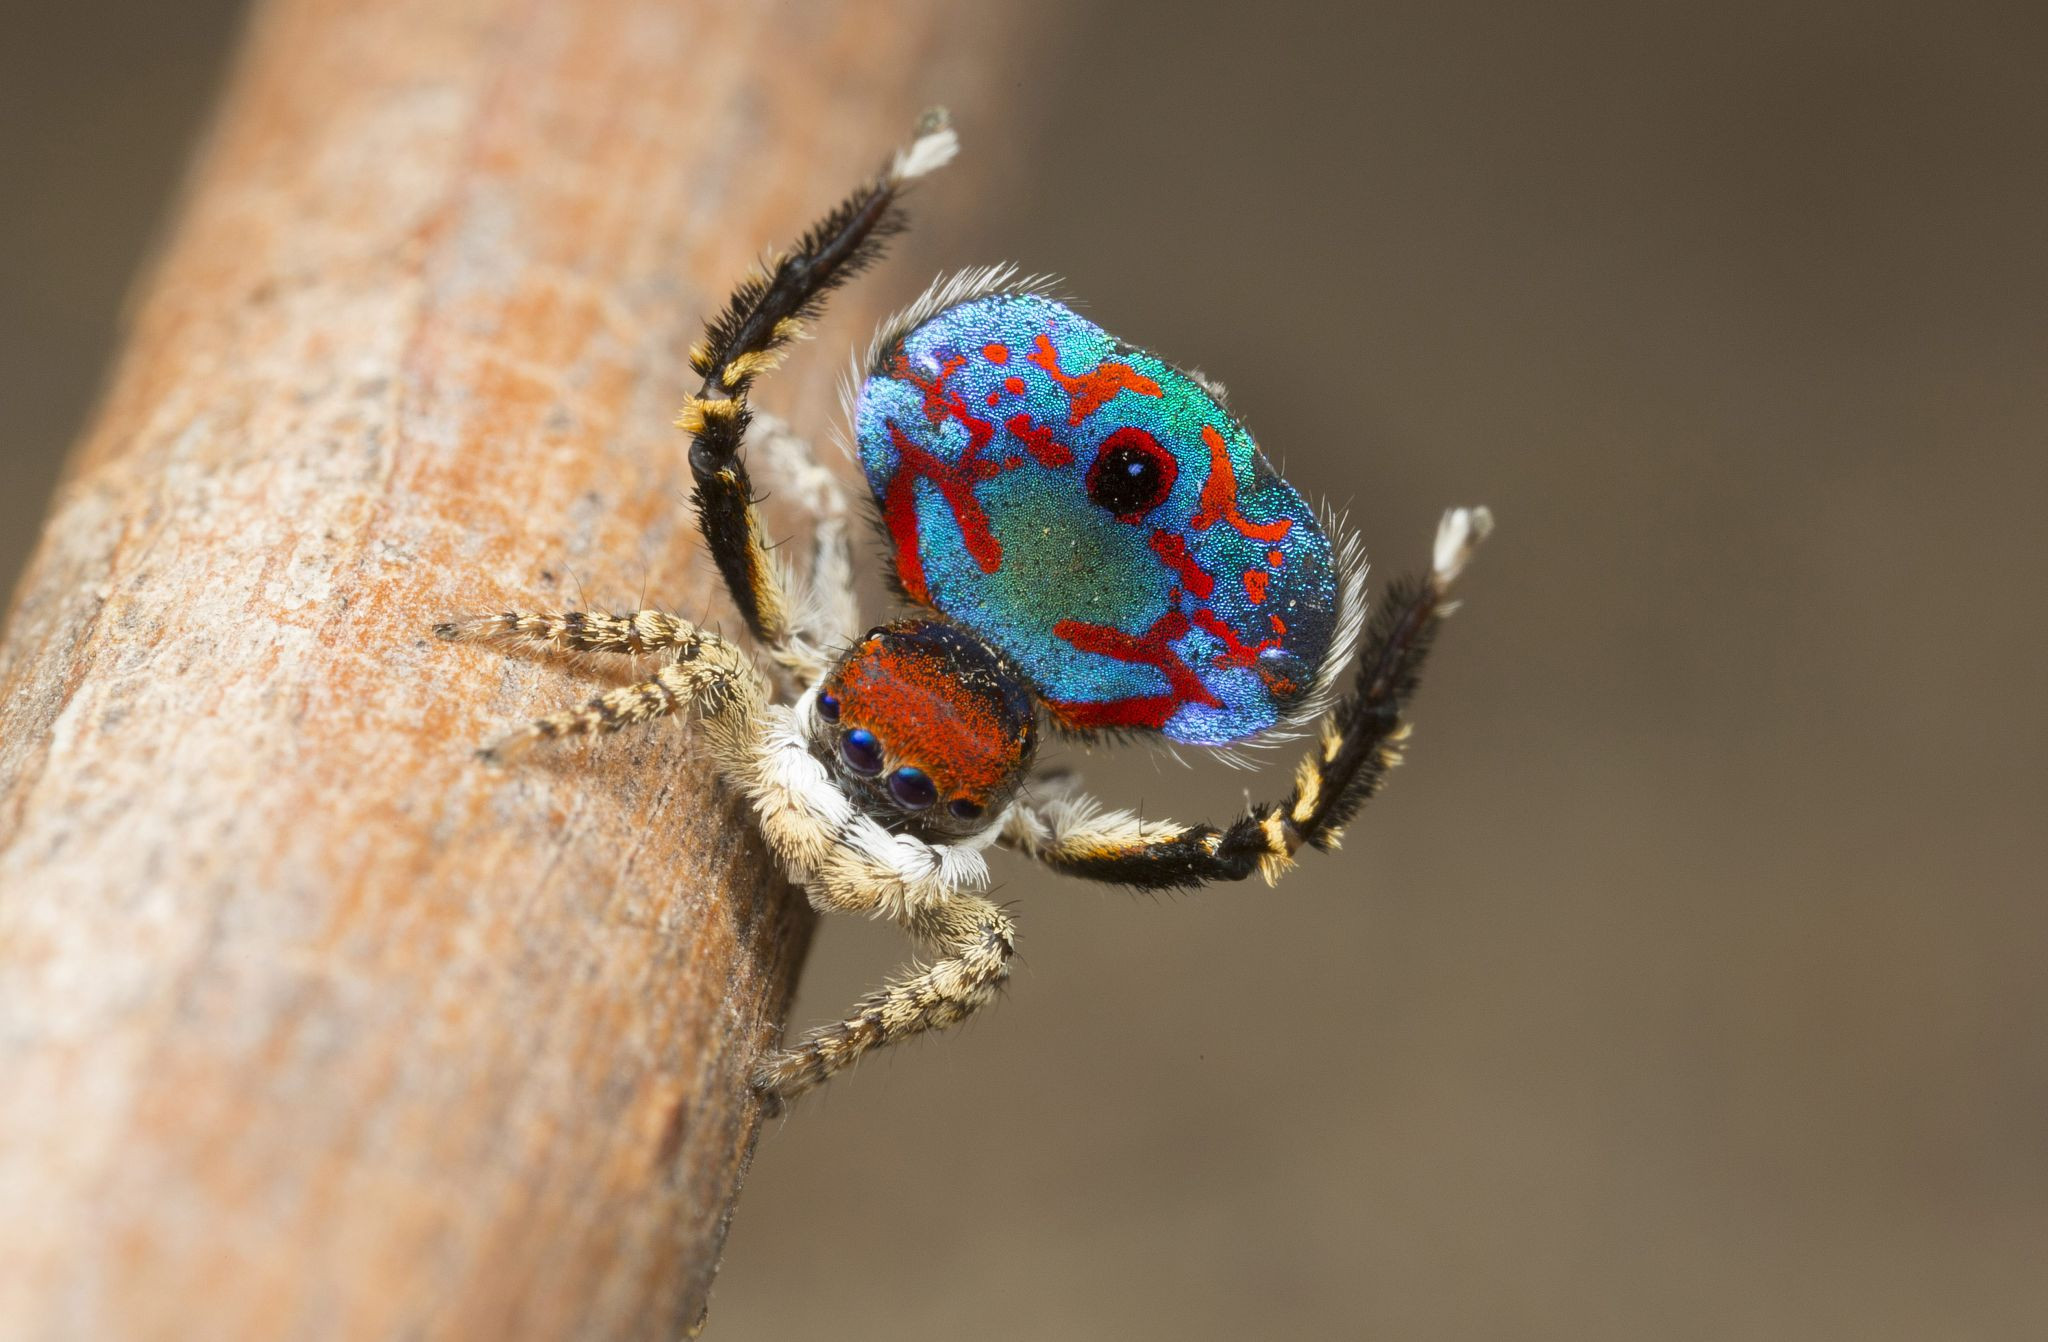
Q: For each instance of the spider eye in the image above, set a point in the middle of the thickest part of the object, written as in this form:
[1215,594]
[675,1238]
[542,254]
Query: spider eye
[828,707]
[912,788]
[964,809]
[862,752]
[1132,474]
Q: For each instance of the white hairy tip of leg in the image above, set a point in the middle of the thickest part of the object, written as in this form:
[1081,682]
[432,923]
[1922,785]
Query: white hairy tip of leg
[1457,536]
[928,153]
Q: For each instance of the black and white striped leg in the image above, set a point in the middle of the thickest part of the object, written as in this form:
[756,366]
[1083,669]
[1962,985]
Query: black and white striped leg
[1359,742]
[766,312]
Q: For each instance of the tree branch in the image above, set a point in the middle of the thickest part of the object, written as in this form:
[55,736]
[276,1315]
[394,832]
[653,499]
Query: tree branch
[310,1024]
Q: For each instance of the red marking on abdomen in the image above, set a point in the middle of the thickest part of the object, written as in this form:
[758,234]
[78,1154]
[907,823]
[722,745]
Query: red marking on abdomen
[1255,585]
[955,482]
[1087,391]
[1275,558]
[1148,713]
[1014,385]
[1219,497]
[1173,552]
[942,402]
[1236,653]
[996,352]
[1043,447]
[1279,626]
[1151,648]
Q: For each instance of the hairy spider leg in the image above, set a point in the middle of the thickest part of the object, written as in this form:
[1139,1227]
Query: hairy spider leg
[971,940]
[573,631]
[705,675]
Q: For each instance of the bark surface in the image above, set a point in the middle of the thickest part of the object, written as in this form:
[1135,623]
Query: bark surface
[310,1025]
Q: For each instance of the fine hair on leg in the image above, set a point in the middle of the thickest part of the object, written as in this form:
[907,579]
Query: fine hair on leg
[973,940]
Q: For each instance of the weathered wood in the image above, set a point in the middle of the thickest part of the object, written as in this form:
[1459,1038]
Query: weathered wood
[311,1026]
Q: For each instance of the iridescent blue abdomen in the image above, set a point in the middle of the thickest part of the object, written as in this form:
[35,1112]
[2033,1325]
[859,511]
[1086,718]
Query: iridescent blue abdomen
[1094,513]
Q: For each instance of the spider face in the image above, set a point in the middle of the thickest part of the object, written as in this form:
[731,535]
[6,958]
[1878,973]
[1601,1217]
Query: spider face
[925,727]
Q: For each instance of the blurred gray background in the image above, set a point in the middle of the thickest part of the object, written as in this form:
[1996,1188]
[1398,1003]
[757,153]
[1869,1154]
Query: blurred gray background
[1688,982]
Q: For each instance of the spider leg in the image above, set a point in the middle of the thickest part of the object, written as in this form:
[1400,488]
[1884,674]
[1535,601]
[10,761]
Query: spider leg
[973,941]
[1359,742]
[708,674]
[765,313]
[573,631]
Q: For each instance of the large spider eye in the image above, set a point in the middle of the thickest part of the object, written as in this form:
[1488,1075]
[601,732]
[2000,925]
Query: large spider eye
[912,788]
[862,752]
[964,809]
[1132,474]
[828,707]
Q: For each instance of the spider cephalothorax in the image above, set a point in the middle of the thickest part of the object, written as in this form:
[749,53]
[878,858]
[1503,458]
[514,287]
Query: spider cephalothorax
[1095,543]
[927,726]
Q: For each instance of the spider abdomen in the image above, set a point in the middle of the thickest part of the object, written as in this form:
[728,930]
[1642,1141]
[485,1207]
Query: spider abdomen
[1095,514]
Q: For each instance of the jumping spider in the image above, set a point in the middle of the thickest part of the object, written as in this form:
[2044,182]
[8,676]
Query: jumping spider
[1091,543]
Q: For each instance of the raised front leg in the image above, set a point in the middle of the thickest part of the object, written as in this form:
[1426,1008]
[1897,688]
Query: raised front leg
[767,311]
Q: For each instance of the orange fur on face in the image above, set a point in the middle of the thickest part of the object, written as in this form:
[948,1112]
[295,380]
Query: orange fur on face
[939,702]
